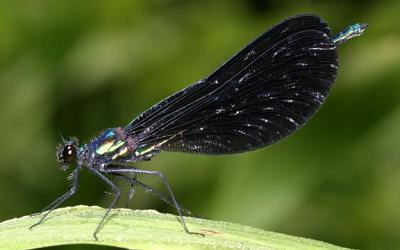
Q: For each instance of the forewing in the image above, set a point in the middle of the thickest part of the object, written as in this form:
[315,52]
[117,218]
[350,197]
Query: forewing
[259,96]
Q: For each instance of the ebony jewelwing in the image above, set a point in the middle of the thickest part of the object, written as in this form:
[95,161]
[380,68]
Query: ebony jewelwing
[262,94]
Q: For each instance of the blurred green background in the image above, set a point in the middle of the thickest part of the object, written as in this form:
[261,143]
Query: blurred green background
[78,67]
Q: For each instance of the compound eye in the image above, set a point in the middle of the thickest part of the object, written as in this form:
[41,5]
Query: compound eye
[69,154]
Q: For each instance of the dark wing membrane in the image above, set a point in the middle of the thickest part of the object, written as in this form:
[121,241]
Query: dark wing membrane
[261,95]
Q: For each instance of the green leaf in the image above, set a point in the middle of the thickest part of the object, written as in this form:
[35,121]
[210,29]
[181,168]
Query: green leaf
[141,229]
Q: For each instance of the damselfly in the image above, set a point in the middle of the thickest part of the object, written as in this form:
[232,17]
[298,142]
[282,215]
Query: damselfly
[261,95]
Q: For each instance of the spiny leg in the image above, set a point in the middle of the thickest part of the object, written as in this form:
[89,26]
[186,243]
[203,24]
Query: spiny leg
[148,189]
[62,198]
[131,178]
[117,192]
[130,195]
[132,187]
[50,205]
[126,169]
[131,192]
[132,181]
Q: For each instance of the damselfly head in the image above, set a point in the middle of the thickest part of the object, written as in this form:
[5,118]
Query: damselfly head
[67,153]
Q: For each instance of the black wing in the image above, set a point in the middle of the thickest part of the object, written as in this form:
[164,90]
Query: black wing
[261,95]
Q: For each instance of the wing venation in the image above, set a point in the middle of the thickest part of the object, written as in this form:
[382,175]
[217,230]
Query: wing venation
[261,95]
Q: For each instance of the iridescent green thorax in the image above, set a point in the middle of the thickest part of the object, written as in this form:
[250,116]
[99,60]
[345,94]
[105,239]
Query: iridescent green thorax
[112,144]
[109,147]
[113,148]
